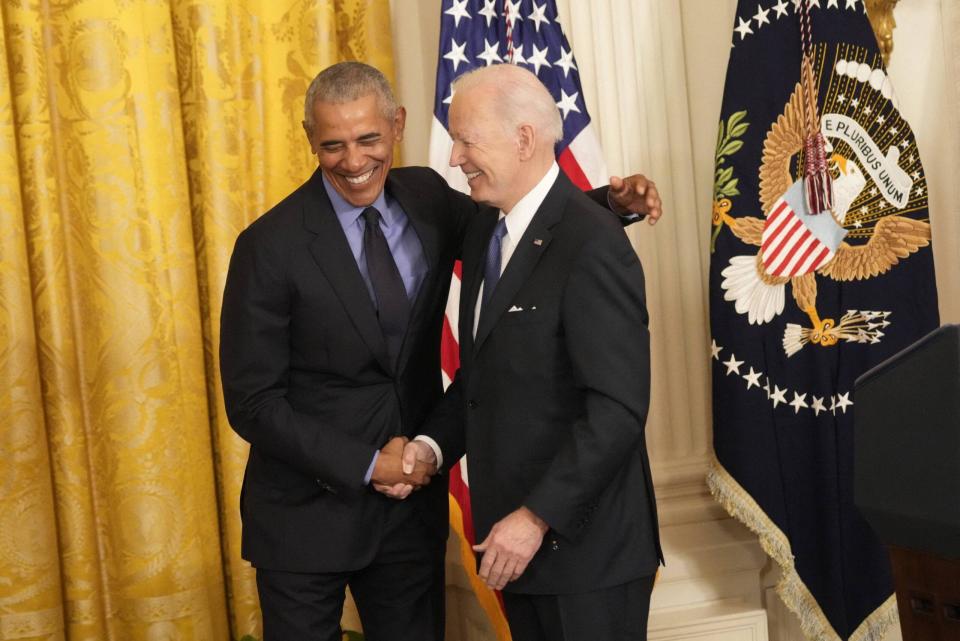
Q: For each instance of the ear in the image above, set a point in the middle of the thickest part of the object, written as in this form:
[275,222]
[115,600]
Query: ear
[399,120]
[526,141]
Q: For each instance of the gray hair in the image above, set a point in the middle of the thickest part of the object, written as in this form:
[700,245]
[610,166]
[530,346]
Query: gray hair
[346,82]
[520,97]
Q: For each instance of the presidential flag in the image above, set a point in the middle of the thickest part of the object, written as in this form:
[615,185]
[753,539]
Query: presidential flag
[476,33]
[821,267]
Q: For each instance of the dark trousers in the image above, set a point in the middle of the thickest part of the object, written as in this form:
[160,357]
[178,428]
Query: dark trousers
[399,595]
[612,614]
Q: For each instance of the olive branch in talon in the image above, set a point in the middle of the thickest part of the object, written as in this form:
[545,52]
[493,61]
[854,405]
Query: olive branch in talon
[724,184]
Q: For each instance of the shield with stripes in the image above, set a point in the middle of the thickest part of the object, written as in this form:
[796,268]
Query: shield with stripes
[794,242]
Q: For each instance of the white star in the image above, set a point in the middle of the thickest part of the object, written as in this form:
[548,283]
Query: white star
[833,3]
[843,401]
[867,110]
[919,191]
[456,55]
[881,119]
[715,350]
[518,58]
[743,28]
[538,15]
[490,54]
[858,224]
[512,11]
[761,16]
[873,191]
[841,98]
[449,98]
[855,102]
[833,405]
[780,8]
[915,175]
[815,3]
[778,396]
[565,61]
[489,10]
[568,103]
[733,365]
[753,378]
[538,59]
[894,131]
[864,210]
[903,144]
[458,10]
[818,406]
[798,402]
[910,158]
[851,4]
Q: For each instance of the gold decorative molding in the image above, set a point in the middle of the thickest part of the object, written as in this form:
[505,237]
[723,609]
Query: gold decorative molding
[883,22]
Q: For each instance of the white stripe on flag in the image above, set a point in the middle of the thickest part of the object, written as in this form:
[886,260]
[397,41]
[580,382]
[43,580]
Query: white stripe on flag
[586,149]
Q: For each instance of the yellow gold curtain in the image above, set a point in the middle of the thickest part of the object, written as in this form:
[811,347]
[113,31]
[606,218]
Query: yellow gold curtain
[137,138]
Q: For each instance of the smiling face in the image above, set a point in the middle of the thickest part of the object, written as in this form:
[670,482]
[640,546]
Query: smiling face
[485,151]
[354,142]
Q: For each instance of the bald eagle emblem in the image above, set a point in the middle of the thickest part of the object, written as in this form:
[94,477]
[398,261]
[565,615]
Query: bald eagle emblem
[860,237]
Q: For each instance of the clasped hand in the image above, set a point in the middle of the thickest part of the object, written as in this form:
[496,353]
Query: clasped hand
[402,467]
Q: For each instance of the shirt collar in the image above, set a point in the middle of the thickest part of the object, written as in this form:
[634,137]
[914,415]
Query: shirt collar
[518,218]
[348,214]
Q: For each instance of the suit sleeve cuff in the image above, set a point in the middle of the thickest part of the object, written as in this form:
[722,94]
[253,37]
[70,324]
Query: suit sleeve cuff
[433,446]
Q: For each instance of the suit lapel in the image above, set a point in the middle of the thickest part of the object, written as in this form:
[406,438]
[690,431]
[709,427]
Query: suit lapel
[332,253]
[429,237]
[531,247]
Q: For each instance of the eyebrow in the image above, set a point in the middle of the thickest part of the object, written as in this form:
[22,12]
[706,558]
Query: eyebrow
[364,138]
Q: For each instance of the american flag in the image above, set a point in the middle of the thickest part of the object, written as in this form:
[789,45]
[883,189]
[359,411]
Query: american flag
[476,33]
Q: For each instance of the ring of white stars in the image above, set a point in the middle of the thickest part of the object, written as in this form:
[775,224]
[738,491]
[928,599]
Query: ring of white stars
[777,395]
[753,24]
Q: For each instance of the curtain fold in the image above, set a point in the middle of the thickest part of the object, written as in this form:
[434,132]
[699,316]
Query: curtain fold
[137,138]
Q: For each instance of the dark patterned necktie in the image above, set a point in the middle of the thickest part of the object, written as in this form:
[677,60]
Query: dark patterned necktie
[393,306]
[491,264]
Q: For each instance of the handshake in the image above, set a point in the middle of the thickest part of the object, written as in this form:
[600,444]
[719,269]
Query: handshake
[402,467]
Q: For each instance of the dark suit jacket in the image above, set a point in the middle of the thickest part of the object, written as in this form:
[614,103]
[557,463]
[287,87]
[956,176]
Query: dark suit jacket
[307,380]
[551,399]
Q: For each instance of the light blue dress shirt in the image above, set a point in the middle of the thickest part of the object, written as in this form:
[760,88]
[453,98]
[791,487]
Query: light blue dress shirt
[402,239]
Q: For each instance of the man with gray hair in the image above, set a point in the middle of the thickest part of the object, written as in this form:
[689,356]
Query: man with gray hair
[551,398]
[330,351]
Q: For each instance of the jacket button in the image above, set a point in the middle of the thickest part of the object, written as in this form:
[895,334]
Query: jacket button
[472,404]
[554,545]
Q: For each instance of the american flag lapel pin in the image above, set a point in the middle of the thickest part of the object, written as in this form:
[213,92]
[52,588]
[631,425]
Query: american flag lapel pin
[537,241]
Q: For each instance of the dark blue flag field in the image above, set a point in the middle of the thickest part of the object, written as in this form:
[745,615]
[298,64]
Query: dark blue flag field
[821,267]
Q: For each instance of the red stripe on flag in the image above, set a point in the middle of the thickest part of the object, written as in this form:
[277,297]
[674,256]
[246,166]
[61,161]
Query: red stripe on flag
[806,255]
[568,163]
[786,237]
[774,225]
[461,494]
[449,351]
[793,250]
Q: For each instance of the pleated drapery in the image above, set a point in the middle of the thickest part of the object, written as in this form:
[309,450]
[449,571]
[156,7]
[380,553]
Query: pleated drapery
[137,138]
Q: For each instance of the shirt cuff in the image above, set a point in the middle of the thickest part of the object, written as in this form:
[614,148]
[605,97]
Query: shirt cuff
[373,464]
[625,219]
[433,446]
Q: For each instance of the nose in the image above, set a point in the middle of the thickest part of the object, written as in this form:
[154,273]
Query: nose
[353,160]
[456,154]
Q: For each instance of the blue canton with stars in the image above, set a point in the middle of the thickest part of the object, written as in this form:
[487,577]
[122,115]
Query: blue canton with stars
[473,33]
